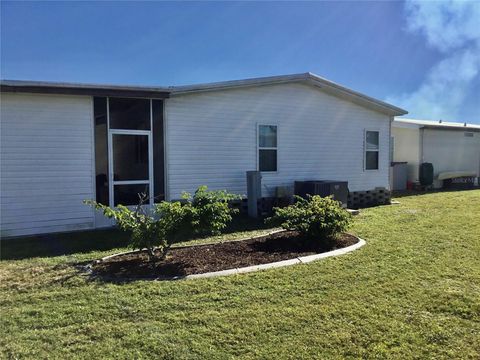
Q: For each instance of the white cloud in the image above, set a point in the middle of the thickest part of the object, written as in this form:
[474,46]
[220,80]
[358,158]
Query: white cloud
[446,24]
[452,27]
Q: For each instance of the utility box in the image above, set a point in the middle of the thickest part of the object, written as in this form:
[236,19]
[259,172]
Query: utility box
[337,189]
[254,192]
[399,175]
[426,174]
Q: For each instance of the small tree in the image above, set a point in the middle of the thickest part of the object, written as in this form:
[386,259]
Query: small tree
[208,212]
[315,218]
[146,232]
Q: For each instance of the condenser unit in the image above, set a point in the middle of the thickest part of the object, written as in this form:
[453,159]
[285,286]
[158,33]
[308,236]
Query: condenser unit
[337,189]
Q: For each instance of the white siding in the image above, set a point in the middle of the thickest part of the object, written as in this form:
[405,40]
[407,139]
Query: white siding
[211,138]
[407,148]
[46,163]
[450,150]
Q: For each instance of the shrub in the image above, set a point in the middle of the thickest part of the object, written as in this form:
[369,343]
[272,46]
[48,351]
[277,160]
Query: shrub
[206,213]
[210,210]
[174,218]
[315,218]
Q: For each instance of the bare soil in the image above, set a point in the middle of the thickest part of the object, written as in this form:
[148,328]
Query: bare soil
[220,256]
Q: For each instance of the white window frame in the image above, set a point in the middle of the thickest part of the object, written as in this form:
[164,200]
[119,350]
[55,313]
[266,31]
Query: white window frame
[266,148]
[365,149]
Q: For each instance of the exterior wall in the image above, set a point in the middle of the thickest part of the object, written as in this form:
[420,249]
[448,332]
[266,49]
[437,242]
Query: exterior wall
[46,163]
[451,150]
[407,148]
[211,138]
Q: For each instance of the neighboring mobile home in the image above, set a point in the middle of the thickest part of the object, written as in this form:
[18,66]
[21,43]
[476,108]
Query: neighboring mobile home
[63,143]
[453,148]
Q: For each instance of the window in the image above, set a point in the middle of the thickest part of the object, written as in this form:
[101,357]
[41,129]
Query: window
[267,148]
[371,150]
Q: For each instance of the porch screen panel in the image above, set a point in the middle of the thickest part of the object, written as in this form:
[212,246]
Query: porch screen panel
[129,114]
[101,149]
[130,157]
[128,194]
[158,151]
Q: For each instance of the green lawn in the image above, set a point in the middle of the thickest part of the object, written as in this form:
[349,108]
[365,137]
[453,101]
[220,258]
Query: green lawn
[412,292]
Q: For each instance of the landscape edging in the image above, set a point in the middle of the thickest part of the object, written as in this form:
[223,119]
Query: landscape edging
[252,268]
[278,264]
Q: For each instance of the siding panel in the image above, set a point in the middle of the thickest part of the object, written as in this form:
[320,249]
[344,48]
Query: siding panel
[407,148]
[211,138]
[450,150]
[46,163]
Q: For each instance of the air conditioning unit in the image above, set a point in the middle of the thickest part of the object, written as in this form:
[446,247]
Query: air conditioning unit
[338,189]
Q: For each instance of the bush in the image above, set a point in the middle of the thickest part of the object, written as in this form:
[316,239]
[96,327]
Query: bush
[174,218]
[207,213]
[315,218]
[210,211]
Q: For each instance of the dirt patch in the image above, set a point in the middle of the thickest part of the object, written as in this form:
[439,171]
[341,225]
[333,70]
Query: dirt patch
[215,257]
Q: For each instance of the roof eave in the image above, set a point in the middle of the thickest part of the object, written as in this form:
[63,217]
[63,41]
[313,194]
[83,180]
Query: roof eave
[357,97]
[434,124]
[309,78]
[82,89]
[234,84]
[458,128]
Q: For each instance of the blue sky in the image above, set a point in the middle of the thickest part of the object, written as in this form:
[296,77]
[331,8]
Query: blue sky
[422,56]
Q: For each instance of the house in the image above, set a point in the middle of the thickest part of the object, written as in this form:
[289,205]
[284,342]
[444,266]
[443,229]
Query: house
[62,143]
[453,148]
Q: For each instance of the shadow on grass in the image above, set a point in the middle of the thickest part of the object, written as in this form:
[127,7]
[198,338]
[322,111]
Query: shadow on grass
[50,245]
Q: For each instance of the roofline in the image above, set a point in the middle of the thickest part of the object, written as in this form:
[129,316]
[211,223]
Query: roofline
[429,124]
[47,87]
[165,92]
[315,80]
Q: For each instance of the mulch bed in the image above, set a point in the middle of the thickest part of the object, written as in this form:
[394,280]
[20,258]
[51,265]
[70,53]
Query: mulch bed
[215,257]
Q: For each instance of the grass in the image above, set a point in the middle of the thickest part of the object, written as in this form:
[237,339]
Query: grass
[412,292]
